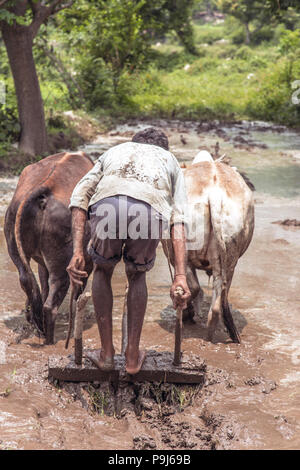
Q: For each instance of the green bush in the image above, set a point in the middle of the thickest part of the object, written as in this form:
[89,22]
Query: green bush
[222,51]
[96,81]
[171,60]
[258,62]
[208,34]
[55,95]
[271,99]
[56,122]
[289,41]
[9,129]
[9,125]
[203,65]
[244,53]
[238,36]
[266,33]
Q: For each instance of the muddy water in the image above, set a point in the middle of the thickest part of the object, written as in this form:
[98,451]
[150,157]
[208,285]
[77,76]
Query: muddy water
[251,398]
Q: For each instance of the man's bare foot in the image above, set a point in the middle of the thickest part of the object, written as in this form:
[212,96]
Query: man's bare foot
[132,366]
[97,358]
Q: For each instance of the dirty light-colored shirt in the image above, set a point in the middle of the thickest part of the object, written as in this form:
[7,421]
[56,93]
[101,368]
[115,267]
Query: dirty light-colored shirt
[144,172]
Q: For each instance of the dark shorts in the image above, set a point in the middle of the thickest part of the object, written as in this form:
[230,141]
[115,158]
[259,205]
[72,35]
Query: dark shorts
[124,226]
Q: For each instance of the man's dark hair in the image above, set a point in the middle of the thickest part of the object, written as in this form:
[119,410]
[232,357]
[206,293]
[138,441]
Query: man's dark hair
[152,136]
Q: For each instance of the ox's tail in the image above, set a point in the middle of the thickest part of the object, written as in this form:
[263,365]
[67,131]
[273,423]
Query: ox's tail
[25,210]
[203,156]
[215,204]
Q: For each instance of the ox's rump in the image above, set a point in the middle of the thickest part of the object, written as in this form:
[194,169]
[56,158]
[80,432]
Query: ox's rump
[220,188]
[59,173]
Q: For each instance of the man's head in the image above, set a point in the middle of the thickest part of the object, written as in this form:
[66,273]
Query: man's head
[152,136]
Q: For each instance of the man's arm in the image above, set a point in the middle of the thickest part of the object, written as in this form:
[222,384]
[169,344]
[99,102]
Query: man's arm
[80,199]
[178,237]
[86,187]
[180,260]
[77,263]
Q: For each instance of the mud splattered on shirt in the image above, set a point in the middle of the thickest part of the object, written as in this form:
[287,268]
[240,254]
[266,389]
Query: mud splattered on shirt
[144,172]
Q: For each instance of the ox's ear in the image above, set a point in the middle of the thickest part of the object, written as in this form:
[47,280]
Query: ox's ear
[183,165]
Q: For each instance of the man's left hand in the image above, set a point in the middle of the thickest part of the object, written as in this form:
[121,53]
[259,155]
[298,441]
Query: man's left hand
[180,300]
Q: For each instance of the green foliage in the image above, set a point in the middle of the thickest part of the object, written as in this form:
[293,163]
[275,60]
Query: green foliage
[179,19]
[208,33]
[11,15]
[264,33]
[271,98]
[251,12]
[7,16]
[245,10]
[227,83]
[118,36]
[244,53]
[96,78]
[289,41]
[134,58]
[9,127]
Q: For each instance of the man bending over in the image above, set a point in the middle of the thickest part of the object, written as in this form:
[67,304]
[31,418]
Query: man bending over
[134,193]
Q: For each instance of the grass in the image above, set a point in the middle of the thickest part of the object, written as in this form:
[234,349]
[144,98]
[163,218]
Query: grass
[98,400]
[224,81]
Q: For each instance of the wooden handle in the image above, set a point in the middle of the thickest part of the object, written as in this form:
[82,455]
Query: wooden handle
[178,329]
[78,328]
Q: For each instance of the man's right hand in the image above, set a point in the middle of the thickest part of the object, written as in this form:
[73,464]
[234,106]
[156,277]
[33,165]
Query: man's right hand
[76,269]
[180,300]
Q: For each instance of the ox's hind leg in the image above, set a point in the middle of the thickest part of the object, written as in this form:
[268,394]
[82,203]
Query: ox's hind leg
[226,310]
[58,288]
[33,304]
[220,305]
[44,278]
[196,294]
[215,308]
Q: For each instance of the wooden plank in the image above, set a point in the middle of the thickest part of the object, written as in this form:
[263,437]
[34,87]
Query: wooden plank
[158,367]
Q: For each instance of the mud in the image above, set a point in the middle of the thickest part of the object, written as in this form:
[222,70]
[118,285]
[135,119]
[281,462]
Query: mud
[250,398]
[164,416]
[288,222]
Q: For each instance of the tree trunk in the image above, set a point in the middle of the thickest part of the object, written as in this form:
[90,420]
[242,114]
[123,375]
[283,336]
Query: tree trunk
[208,8]
[19,42]
[248,35]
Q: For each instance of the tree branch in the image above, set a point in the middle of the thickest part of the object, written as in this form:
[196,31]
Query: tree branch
[42,12]
[58,5]
[64,73]
[33,6]
[65,5]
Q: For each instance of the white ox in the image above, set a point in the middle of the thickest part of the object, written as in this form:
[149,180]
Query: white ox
[223,212]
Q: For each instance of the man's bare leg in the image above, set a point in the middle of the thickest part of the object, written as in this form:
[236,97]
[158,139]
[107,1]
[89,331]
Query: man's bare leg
[103,304]
[136,306]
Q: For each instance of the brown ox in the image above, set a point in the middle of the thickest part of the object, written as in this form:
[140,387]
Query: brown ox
[223,212]
[38,226]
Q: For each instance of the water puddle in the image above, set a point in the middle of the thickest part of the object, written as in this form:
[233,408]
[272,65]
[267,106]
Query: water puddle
[262,133]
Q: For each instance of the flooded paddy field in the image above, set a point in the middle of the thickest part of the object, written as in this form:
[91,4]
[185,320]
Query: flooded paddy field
[251,396]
